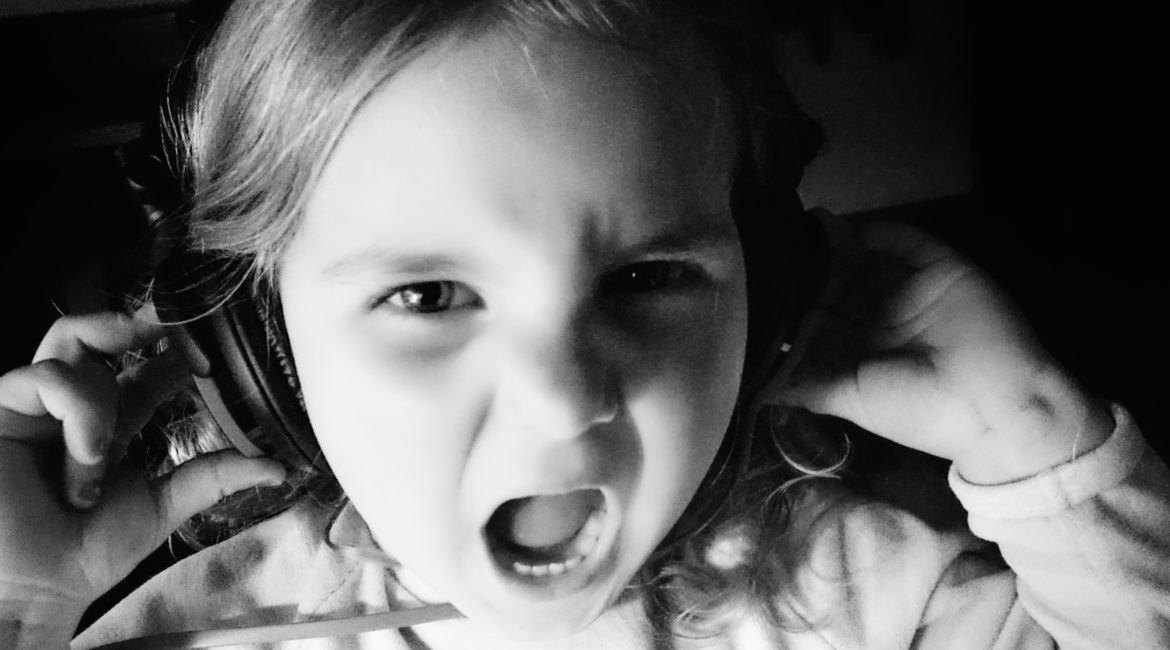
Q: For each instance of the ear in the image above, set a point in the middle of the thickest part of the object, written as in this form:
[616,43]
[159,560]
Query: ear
[786,255]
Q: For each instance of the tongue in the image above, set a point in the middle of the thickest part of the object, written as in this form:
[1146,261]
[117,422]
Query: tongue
[543,521]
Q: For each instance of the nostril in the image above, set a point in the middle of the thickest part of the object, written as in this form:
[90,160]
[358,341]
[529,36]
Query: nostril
[609,401]
[559,388]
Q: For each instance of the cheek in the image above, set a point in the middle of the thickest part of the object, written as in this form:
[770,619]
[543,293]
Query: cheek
[388,428]
[684,405]
[692,364]
[693,389]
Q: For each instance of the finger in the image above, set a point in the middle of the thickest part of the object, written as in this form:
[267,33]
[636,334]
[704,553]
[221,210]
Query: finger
[74,339]
[88,411]
[828,396]
[136,516]
[920,301]
[144,388]
[905,242]
[84,400]
[863,273]
[200,483]
[23,414]
[876,396]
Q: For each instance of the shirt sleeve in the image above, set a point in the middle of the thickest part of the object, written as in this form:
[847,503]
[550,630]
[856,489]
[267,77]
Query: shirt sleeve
[1089,542]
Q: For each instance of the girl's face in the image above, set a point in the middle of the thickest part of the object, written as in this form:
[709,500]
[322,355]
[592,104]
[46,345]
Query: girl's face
[518,309]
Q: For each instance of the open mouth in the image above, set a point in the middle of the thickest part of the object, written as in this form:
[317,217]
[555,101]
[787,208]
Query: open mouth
[546,535]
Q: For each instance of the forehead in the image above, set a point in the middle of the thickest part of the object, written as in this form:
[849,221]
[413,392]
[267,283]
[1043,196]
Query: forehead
[493,117]
[551,74]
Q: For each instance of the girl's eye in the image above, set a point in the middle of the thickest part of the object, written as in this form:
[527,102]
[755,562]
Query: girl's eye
[645,277]
[431,297]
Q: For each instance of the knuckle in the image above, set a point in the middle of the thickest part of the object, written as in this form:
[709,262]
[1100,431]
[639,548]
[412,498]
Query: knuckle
[60,337]
[124,322]
[162,494]
[121,318]
[61,325]
[219,480]
[53,370]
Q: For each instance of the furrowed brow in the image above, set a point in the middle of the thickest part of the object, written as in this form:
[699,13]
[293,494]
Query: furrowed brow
[688,241]
[377,261]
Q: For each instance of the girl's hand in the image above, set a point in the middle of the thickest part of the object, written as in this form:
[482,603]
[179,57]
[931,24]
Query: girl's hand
[72,522]
[917,345]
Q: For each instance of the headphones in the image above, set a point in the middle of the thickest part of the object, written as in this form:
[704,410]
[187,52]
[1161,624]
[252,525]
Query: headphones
[240,355]
[240,359]
[243,368]
[244,371]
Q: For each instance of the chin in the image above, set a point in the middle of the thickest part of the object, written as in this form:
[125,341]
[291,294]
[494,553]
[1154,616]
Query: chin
[543,609]
[540,623]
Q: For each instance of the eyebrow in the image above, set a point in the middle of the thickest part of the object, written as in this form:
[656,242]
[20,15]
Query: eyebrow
[372,259]
[686,241]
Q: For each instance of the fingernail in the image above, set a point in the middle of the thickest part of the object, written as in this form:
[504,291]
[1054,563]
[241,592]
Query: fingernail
[147,313]
[103,447]
[90,493]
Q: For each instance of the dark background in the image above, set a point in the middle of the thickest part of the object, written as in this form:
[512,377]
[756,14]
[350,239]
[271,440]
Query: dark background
[1024,137]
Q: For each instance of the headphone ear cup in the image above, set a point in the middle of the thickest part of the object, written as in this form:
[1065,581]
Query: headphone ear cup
[242,366]
[786,253]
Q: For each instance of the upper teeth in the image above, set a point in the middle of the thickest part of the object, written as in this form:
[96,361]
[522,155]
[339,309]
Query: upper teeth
[582,545]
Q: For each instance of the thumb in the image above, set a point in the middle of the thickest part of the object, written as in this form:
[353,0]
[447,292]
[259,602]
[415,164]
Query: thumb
[820,373]
[895,395]
[875,393]
[134,518]
[202,482]
[836,395]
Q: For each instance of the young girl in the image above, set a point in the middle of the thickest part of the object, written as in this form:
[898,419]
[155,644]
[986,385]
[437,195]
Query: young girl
[530,267]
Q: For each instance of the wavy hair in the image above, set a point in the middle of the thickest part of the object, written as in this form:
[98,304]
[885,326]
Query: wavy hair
[251,124]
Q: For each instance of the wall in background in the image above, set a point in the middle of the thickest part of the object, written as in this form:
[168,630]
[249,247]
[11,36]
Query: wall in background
[1025,136]
[890,82]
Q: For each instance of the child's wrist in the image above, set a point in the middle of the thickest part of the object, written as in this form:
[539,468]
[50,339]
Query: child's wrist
[1053,422]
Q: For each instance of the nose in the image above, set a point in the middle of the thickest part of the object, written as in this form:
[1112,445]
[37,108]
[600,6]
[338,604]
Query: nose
[562,381]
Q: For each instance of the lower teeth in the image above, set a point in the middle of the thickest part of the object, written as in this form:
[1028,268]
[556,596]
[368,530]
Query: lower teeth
[553,568]
[581,546]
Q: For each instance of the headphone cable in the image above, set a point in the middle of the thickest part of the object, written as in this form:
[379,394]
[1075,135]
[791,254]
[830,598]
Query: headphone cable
[289,631]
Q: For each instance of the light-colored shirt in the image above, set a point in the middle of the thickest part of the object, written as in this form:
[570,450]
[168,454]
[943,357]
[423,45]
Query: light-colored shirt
[1087,548]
